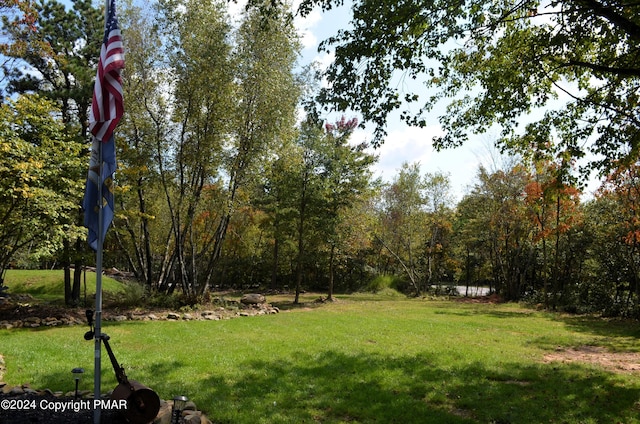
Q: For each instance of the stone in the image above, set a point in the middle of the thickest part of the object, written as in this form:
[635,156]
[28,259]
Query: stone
[187,317]
[252,299]
[120,318]
[195,417]
[173,316]
[17,390]
[164,415]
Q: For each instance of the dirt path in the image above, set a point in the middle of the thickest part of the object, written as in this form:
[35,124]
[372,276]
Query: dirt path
[624,362]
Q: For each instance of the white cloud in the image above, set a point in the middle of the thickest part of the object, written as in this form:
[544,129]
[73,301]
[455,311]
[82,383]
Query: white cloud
[307,27]
[405,144]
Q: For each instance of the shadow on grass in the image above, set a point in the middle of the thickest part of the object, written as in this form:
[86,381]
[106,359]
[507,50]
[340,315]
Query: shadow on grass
[335,387]
[486,312]
[600,326]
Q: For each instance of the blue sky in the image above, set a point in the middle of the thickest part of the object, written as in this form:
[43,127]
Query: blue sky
[408,144]
[403,143]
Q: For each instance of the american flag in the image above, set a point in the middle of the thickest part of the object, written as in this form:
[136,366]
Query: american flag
[107,106]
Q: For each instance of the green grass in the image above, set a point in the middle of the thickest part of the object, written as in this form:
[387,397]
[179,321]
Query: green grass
[359,360]
[48,286]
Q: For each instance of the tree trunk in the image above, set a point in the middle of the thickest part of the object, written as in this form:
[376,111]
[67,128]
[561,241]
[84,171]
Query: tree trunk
[66,266]
[274,269]
[78,267]
[331,272]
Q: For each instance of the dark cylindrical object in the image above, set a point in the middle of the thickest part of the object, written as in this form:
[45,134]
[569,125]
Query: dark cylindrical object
[143,403]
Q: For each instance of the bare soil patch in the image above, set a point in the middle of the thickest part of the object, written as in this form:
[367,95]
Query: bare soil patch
[623,362]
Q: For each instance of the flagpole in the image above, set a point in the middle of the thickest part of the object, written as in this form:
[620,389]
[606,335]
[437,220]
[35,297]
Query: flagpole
[98,317]
[97,374]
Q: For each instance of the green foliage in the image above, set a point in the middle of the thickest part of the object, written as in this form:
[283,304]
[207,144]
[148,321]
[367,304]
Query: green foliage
[385,285]
[494,63]
[415,221]
[385,361]
[38,194]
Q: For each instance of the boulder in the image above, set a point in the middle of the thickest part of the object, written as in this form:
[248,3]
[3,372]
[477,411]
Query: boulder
[253,299]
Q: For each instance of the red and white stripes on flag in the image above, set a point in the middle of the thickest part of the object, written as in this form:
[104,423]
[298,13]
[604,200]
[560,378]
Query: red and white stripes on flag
[107,106]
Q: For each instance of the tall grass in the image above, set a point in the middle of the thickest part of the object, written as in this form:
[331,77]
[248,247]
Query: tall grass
[364,361]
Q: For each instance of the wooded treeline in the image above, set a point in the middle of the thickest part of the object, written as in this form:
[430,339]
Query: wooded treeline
[224,181]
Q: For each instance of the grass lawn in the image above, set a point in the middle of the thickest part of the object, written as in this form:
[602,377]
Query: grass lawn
[359,360]
[48,286]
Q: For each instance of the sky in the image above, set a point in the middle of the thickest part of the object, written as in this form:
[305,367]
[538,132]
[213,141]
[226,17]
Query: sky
[403,143]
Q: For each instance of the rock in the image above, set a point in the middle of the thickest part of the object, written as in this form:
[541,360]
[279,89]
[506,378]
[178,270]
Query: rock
[16,391]
[187,317]
[164,415]
[252,299]
[192,417]
[173,316]
[120,318]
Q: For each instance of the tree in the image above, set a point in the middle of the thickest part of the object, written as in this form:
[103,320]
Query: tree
[346,174]
[189,141]
[144,130]
[415,225]
[495,211]
[60,50]
[37,197]
[616,210]
[307,200]
[553,205]
[60,54]
[402,219]
[496,63]
[22,16]
[267,94]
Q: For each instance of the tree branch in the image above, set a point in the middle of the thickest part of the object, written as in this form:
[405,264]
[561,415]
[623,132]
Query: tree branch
[628,26]
[623,72]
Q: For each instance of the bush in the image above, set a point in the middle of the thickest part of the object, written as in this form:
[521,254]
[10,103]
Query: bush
[386,284]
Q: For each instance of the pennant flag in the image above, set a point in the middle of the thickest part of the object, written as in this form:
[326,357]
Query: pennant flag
[107,107]
[91,202]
